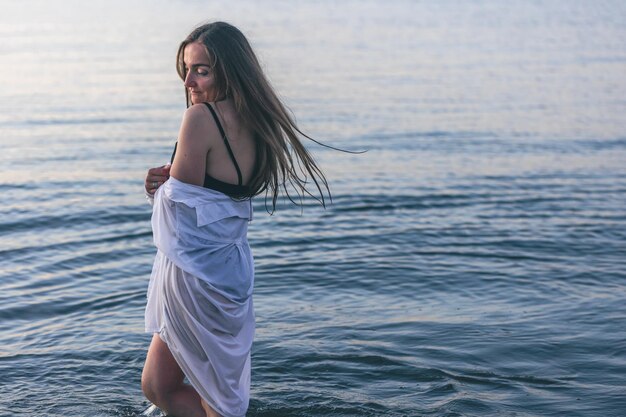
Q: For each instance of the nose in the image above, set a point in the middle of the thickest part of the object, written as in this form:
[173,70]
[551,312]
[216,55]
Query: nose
[189,81]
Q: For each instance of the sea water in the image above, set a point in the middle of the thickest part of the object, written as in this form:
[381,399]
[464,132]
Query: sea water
[472,261]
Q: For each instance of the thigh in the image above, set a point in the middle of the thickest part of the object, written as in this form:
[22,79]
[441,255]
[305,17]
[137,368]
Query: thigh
[161,371]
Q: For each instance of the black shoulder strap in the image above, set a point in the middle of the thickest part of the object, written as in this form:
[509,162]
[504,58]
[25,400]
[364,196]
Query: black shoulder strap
[230,151]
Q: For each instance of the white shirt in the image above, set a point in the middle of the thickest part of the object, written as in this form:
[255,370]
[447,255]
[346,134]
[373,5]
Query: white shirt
[204,232]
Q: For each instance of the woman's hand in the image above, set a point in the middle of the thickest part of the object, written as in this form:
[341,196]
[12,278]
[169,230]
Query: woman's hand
[156,177]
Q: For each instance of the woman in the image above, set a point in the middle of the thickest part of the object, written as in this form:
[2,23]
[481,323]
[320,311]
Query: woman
[236,141]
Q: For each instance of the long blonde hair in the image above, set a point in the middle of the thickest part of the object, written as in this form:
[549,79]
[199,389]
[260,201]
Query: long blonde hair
[282,162]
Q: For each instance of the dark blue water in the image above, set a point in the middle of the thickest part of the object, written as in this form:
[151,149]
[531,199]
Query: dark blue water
[472,262]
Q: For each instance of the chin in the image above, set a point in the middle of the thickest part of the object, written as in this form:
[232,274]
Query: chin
[195,99]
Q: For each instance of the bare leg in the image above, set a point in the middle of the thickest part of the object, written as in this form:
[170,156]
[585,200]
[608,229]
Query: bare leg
[162,382]
[210,412]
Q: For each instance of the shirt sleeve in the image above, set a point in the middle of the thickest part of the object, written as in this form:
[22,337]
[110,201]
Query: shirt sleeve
[150,198]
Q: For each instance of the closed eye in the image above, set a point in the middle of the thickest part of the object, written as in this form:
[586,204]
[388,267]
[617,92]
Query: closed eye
[200,69]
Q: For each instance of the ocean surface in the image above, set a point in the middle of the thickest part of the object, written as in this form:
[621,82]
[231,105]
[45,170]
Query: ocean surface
[472,262]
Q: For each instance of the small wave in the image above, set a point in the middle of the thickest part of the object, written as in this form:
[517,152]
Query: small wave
[73,121]
[76,220]
[64,307]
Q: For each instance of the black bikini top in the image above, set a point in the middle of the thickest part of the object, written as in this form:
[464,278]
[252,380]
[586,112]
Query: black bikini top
[233,190]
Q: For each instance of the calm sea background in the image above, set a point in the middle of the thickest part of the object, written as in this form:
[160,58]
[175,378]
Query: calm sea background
[473,261]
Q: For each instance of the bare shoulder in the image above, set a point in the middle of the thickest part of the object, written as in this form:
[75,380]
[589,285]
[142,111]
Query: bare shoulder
[197,124]
[194,142]
[196,110]
[196,114]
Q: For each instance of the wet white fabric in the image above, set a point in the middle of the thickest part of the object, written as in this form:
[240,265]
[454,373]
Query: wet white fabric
[200,291]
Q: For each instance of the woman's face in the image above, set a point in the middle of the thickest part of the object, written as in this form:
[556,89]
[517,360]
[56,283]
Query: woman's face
[200,81]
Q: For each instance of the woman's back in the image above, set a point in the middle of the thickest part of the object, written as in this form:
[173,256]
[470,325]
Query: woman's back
[215,148]
[240,139]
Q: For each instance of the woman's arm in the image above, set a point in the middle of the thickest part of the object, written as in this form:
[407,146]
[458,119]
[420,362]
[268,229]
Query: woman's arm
[194,142]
